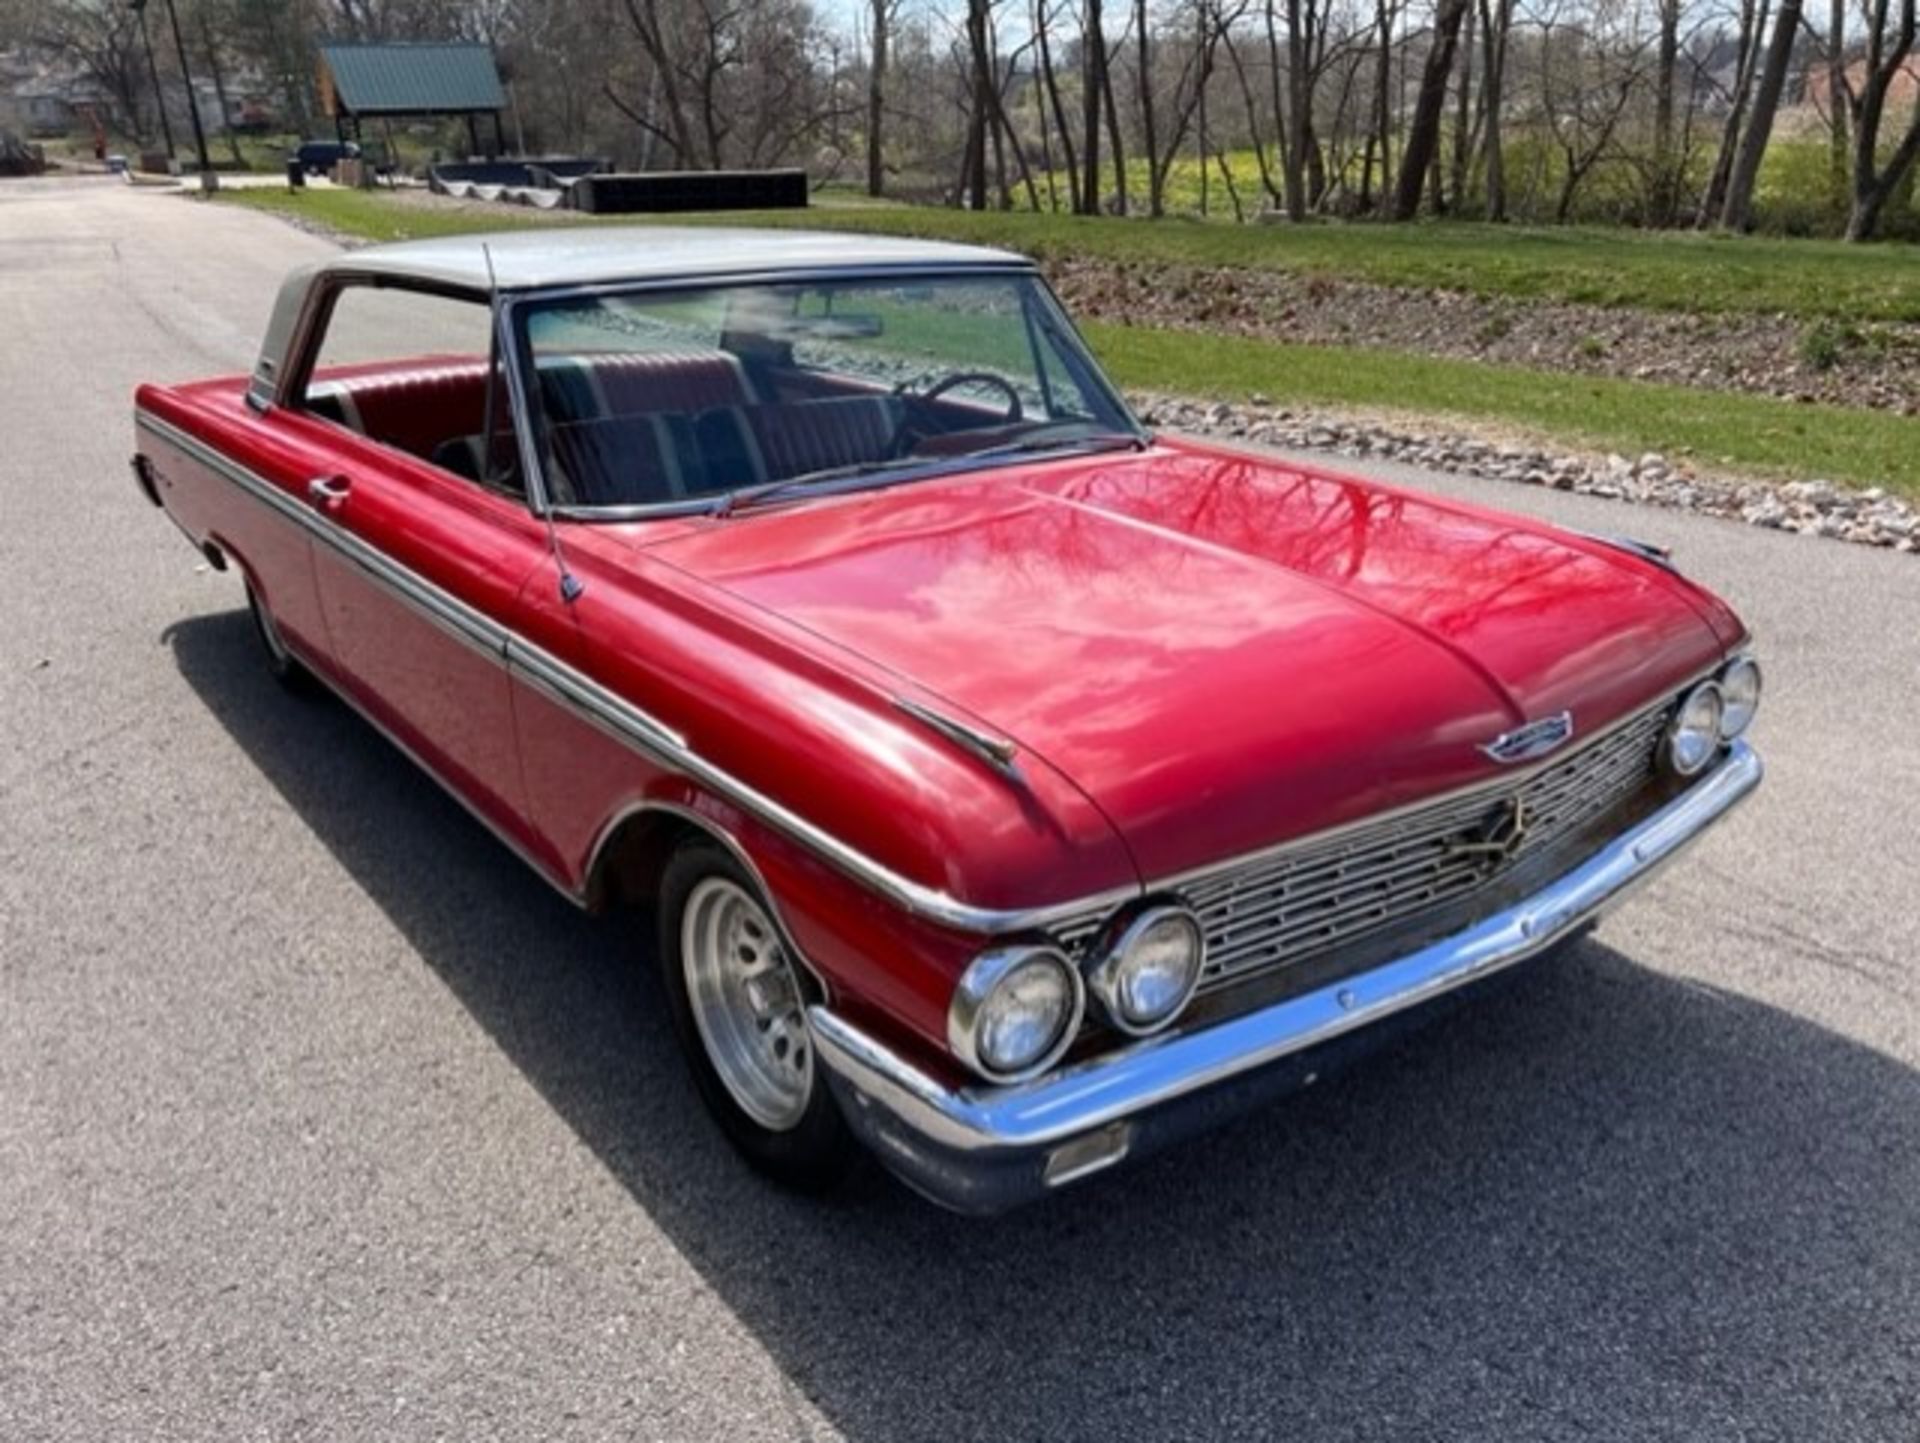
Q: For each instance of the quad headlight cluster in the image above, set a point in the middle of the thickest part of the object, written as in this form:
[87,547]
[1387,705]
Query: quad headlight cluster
[1710,717]
[1017,1009]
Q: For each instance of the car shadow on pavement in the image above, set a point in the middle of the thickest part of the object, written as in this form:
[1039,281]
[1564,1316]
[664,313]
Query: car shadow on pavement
[1598,1201]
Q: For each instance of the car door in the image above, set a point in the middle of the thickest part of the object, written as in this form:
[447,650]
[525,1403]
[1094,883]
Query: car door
[417,565]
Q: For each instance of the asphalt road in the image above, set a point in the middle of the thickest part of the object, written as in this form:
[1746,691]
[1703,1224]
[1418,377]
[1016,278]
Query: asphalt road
[321,1119]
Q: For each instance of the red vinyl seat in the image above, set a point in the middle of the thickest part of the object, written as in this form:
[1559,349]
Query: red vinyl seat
[415,408]
[814,435]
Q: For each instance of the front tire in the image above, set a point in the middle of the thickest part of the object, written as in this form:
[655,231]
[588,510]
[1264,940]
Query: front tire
[739,1006]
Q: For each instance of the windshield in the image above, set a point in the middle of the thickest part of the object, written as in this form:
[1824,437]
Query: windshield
[689,399]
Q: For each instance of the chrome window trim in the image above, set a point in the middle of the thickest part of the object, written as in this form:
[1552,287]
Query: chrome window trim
[512,303]
[627,723]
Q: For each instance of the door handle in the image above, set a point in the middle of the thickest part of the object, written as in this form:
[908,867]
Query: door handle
[327,492]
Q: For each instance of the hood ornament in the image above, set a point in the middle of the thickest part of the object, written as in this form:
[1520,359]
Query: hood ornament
[1535,739]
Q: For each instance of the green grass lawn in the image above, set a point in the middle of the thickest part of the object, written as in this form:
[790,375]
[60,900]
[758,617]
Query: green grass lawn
[1728,431]
[1719,430]
[1615,267]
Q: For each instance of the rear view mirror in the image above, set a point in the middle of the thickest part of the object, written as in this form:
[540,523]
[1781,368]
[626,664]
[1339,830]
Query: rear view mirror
[838,326]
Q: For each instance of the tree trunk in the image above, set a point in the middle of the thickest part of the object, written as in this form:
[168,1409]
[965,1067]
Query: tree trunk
[1665,189]
[1495,21]
[1888,51]
[1200,128]
[1382,134]
[1737,213]
[1423,135]
[1093,62]
[1114,141]
[1463,111]
[1753,20]
[1299,111]
[1837,94]
[876,95]
[1042,16]
[220,94]
[1143,51]
[981,110]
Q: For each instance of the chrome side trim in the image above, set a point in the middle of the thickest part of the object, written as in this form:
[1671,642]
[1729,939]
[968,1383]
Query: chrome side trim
[713,830]
[893,1100]
[627,723]
[1660,556]
[996,752]
[445,610]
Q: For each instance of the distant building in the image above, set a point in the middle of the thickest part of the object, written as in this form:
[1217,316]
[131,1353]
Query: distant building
[1902,95]
[359,83]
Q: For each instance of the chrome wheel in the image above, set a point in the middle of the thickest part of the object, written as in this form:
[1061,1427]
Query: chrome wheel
[746,1003]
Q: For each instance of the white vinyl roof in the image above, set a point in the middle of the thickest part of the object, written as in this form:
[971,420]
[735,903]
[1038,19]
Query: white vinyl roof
[594,255]
[608,255]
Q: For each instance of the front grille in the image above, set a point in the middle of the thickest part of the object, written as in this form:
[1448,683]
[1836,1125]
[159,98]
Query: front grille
[1307,899]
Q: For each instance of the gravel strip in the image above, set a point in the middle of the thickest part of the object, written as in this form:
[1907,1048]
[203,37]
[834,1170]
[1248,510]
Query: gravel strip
[1811,508]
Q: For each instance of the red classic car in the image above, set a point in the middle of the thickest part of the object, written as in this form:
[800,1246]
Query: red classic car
[1016,790]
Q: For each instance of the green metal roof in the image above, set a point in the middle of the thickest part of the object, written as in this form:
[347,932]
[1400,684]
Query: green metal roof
[413,79]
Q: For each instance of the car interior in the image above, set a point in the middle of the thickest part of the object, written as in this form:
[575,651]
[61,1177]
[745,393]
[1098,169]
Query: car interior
[656,400]
[636,428]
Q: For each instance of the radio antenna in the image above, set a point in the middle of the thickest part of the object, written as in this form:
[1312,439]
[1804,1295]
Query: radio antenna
[571,587]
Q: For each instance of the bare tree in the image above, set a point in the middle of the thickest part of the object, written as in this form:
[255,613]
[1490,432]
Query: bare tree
[101,40]
[1890,45]
[1423,131]
[1042,26]
[1496,24]
[880,20]
[1737,211]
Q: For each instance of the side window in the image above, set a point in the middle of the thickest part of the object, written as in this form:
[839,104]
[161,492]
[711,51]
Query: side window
[415,371]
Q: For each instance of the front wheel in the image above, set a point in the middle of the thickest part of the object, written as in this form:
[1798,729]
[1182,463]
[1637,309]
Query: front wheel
[739,1005]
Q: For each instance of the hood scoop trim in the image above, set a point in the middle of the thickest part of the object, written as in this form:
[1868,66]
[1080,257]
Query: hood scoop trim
[997,752]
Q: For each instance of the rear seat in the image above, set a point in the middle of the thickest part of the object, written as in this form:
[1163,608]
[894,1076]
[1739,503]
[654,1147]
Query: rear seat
[416,409]
[590,387]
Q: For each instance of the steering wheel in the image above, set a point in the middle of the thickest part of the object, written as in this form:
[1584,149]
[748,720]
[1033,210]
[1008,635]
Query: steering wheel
[976,378]
[915,426]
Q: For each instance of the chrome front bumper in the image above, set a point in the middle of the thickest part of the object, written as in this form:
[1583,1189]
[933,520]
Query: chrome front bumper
[983,1149]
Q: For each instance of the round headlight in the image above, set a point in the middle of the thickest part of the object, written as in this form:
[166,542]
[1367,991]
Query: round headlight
[1739,696]
[1015,1012]
[1693,736]
[1149,973]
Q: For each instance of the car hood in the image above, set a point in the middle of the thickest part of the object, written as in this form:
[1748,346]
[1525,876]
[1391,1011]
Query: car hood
[1220,651]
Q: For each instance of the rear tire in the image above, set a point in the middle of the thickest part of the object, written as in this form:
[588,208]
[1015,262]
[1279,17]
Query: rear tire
[739,1006]
[282,665]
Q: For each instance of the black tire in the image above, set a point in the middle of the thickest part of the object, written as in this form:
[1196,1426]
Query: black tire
[818,1151]
[282,665]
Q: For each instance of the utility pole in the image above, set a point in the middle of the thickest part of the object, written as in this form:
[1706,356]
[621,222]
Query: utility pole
[159,95]
[193,103]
